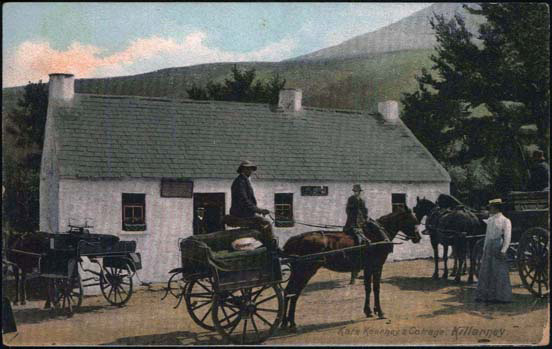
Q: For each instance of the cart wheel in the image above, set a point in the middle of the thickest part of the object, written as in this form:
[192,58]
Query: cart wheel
[533,261]
[249,315]
[477,253]
[177,285]
[199,295]
[116,285]
[68,294]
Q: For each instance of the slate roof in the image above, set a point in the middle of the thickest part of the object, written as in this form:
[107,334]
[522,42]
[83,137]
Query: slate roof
[139,137]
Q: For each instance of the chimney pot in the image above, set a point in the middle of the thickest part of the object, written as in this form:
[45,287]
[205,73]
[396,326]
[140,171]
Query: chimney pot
[61,87]
[389,110]
[290,99]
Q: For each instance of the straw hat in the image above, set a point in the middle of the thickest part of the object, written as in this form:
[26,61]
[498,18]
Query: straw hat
[495,202]
[247,163]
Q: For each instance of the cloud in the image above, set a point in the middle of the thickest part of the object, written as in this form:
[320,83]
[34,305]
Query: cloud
[34,60]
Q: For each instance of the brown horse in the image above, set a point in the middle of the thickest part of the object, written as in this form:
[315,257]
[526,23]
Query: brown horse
[371,259]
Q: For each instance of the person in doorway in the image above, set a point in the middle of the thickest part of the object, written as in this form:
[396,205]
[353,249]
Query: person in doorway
[244,211]
[494,280]
[539,174]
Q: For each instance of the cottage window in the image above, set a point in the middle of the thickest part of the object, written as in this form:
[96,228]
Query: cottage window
[283,207]
[134,212]
[314,191]
[398,201]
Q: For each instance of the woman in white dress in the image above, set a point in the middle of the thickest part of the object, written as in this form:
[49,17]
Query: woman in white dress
[494,279]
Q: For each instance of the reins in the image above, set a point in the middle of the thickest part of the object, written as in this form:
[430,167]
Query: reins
[308,224]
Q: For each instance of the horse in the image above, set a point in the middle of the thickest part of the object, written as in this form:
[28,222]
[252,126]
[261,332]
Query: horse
[433,213]
[444,220]
[372,258]
[22,252]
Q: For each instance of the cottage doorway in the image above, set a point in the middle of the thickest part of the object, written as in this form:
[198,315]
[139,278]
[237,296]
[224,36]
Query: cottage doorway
[209,209]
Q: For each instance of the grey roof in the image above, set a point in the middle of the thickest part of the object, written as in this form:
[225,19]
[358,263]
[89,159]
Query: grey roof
[128,136]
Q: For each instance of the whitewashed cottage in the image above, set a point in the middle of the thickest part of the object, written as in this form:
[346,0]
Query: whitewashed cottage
[155,170]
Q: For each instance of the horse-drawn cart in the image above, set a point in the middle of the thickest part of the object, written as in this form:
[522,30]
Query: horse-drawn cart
[57,256]
[239,293]
[530,246]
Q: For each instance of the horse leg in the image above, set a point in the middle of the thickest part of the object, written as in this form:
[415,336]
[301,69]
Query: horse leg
[435,247]
[445,261]
[48,303]
[23,287]
[377,282]
[368,271]
[297,282]
[16,276]
[472,263]
[354,275]
[460,252]
[455,269]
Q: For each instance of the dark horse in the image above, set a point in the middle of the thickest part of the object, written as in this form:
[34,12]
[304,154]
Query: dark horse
[23,250]
[451,224]
[372,258]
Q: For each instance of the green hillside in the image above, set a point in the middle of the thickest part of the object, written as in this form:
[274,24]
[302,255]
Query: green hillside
[354,83]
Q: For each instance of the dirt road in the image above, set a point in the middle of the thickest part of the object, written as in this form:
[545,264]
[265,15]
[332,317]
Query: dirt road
[418,310]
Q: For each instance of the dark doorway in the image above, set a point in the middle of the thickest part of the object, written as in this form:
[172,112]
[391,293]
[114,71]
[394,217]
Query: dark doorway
[209,209]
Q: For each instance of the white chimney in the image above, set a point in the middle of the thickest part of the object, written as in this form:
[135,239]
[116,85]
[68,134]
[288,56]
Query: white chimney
[61,87]
[290,99]
[389,110]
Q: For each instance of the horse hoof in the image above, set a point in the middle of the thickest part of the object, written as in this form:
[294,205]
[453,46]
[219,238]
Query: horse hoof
[381,316]
[23,303]
[352,282]
[292,329]
[368,313]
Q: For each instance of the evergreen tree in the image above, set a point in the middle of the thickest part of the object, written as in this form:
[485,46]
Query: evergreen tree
[507,75]
[21,175]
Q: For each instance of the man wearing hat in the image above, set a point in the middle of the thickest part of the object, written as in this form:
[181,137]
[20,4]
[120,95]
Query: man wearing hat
[244,211]
[357,213]
[539,173]
[494,279]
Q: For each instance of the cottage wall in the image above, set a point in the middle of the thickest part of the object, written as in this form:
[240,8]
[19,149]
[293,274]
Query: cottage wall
[169,219]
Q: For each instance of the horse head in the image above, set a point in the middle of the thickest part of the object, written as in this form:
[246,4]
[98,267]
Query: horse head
[423,208]
[402,220]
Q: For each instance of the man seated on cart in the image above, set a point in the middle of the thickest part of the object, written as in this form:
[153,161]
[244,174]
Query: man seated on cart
[244,211]
[539,173]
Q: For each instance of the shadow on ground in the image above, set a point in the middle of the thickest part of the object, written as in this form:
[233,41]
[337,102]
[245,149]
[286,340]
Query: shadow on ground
[462,300]
[38,315]
[213,338]
[419,283]
[325,285]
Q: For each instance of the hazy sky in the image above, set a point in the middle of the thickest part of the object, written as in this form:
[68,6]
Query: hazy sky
[110,39]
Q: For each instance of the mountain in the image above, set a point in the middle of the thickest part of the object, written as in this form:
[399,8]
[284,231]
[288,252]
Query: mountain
[410,33]
[356,74]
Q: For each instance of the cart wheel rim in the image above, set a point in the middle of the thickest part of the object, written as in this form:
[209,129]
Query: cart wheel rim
[249,315]
[116,285]
[198,295]
[533,261]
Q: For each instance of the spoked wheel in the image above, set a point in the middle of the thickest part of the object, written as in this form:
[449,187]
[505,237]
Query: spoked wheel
[249,315]
[116,285]
[199,297]
[67,294]
[477,253]
[533,261]
[177,285]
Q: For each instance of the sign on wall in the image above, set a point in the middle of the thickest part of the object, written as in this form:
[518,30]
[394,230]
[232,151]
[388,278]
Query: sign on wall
[177,188]
[314,191]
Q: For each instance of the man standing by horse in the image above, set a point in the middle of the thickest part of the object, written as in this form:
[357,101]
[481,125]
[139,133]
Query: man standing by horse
[244,211]
[494,279]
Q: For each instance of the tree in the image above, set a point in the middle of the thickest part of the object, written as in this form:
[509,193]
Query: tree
[507,76]
[21,174]
[242,87]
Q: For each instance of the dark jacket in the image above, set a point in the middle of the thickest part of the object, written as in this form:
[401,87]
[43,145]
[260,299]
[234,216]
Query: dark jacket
[354,207]
[539,176]
[244,204]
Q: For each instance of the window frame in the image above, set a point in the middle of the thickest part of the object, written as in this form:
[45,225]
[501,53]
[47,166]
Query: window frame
[133,201]
[283,201]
